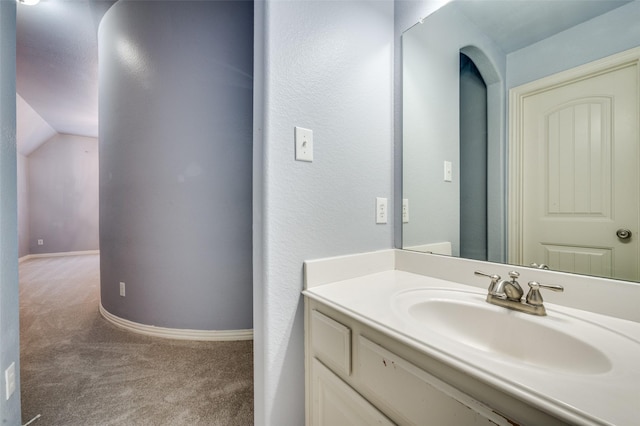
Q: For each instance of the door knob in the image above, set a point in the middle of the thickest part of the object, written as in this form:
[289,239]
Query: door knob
[623,234]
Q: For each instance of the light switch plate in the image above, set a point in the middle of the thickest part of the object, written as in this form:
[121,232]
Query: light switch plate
[304,144]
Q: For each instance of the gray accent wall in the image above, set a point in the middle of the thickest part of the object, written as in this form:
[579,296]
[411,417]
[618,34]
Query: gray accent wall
[326,66]
[63,195]
[9,311]
[175,110]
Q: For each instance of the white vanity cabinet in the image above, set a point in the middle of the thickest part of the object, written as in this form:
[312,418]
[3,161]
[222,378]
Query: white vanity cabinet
[357,376]
[389,342]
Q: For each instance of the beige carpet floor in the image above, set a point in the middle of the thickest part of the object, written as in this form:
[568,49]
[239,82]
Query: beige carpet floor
[78,369]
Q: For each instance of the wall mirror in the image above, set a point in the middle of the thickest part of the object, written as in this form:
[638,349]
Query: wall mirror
[489,162]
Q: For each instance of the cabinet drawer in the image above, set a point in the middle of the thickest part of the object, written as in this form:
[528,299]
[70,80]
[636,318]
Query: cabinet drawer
[410,395]
[331,342]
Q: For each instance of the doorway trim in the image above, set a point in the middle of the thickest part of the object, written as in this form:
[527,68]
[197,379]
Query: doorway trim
[517,97]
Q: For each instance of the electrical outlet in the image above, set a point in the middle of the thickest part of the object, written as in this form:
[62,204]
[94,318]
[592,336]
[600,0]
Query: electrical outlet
[381,210]
[405,210]
[40,242]
[122,289]
[448,172]
[10,380]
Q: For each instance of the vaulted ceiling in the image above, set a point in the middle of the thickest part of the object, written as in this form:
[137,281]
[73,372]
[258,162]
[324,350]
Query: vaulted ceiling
[57,68]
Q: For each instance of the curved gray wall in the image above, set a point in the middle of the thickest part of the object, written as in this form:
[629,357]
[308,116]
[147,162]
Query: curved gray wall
[176,163]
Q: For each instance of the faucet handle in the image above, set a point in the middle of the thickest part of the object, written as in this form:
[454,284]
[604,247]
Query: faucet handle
[484,274]
[534,297]
[494,279]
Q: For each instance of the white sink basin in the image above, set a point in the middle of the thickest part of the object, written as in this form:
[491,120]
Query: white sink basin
[577,365]
[556,342]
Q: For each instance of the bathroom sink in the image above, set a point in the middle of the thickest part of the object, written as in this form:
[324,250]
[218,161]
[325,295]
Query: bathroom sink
[577,365]
[557,342]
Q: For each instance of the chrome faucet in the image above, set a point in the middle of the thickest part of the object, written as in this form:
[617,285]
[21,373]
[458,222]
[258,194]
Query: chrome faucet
[512,289]
[508,293]
[540,266]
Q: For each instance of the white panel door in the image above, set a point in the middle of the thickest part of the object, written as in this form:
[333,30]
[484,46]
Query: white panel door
[580,175]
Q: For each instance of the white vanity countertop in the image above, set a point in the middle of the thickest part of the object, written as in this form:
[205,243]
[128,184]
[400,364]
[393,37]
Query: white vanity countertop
[607,397]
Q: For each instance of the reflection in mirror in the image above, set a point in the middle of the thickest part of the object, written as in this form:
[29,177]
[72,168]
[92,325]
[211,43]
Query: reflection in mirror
[465,198]
[473,161]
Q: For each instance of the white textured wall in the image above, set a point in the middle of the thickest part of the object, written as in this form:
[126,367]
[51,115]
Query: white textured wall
[63,195]
[430,132]
[326,66]
[406,14]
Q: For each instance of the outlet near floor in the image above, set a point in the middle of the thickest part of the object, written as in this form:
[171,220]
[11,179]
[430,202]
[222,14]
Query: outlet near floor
[381,210]
[10,379]
[122,289]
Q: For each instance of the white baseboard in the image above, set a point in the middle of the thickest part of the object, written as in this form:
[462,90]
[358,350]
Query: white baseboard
[65,253]
[176,333]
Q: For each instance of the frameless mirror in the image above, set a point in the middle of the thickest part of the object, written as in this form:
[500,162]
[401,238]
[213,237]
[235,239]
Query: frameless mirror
[513,128]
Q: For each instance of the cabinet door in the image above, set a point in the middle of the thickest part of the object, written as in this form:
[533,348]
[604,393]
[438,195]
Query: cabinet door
[335,403]
[331,343]
[411,396]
